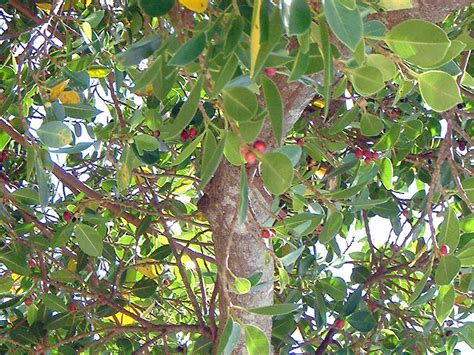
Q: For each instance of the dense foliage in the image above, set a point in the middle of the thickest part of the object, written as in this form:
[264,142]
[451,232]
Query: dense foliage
[115,118]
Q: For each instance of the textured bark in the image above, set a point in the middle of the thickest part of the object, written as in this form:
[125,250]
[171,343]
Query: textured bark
[246,254]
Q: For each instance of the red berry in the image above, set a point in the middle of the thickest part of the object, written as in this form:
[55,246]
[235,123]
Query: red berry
[72,308]
[444,250]
[373,306]
[359,154]
[166,282]
[271,71]
[193,132]
[67,216]
[266,233]
[300,142]
[340,324]
[393,114]
[28,301]
[156,133]
[32,263]
[374,155]
[244,149]
[250,158]
[184,136]
[368,160]
[462,144]
[405,214]
[260,146]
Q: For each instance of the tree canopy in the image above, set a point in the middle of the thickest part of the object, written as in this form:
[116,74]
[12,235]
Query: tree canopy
[236,176]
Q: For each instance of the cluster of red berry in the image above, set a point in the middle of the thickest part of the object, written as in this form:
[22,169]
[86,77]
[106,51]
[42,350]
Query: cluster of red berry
[189,134]
[367,155]
[249,155]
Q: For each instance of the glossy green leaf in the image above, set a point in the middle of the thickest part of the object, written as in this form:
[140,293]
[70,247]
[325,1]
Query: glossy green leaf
[296,16]
[140,50]
[335,287]
[256,341]
[240,104]
[367,80]
[439,90]
[188,150]
[290,258]
[384,64]
[412,129]
[55,134]
[386,172]
[447,269]
[449,232]
[274,105]
[89,240]
[190,51]
[346,23]
[156,8]
[419,42]
[466,254]
[444,302]
[352,301]
[54,303]
[389,139]
[277,172]
[229,338]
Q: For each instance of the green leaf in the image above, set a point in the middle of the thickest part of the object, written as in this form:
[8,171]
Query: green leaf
[343,121]
[243,195]
[420,286]
[186,113]
[363,321]
[54,303]
[277,172]
[386,173]
[300,65]
[449,232]
[389,139]
[89,240]
[444,302]
[367,80]
[139,51]
[240,104]
[419,42]
[225,75]
[81,111]
[229,338]
[455,48]
[256,341]
[32,314]
[190,51]
[331,227]
[242,285]
[384,64]
[187,151]
[370,125]
[275,310]
[15,262]
[211,157]
[55,134]
[326,51]
[232,149]
[274,105]
[352,301]
[146,142]
[466,254]
[412,129]
[345,193]
[64,276]
[439,90]
[335,287]
[26,195]
[447,270]
[296,16]
[156,8]
[468,186]
[346,23]
[144,288]
[143,226]
[290,258]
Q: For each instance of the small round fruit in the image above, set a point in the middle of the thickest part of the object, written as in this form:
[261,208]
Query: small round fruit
[185,136]
[156,133]
[266,233]
[166,282]
[72,308]
[374,155]
[32,263]
[28,301]
[270,71]
[405,214]
[393,115]
[462,144]
[250,158]
[359,154]
[67,216]
[444,250]
[300,142]
[368,160]
[193,132]
[260,146]
[340,324]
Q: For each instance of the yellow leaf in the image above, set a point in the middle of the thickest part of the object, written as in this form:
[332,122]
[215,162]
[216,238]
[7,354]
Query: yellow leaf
[87,2]
[319,103]
[195,5]
[255,36]
[70,97]
[55,91]
[123,319]
[391,5]
[98,72]
[149,268]
[44,6]
[87,30]
[72,265]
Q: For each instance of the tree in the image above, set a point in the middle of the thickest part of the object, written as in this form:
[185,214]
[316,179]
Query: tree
[194,177]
